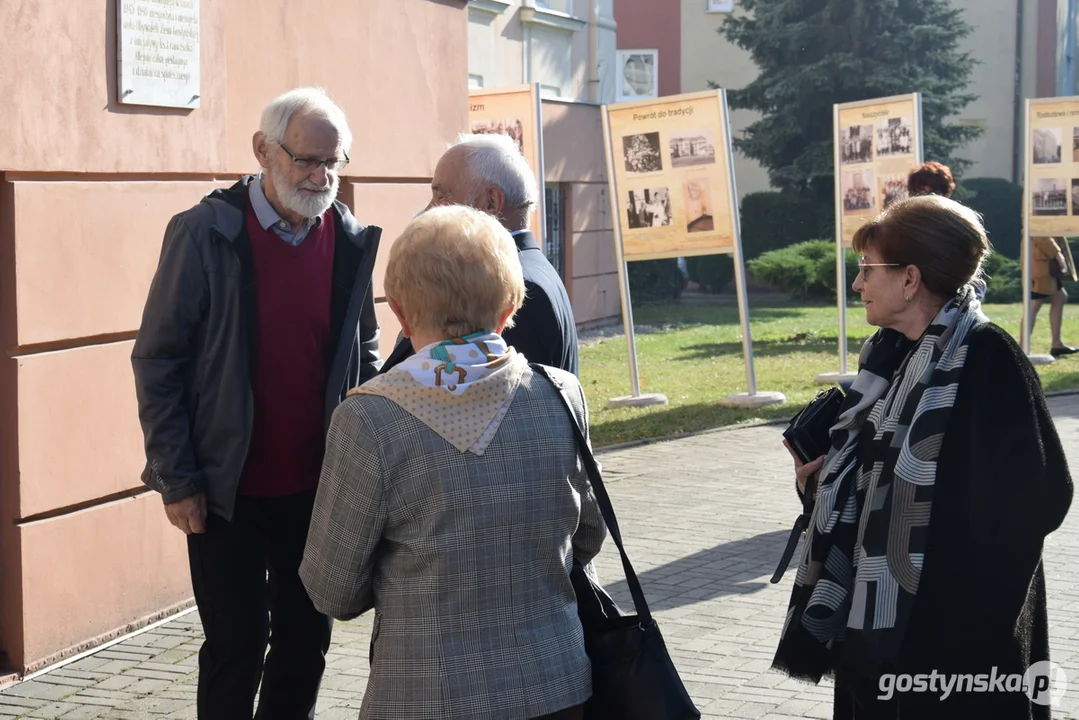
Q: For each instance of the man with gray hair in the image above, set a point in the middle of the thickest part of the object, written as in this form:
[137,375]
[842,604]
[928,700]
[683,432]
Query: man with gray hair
[259,319]
[488,172]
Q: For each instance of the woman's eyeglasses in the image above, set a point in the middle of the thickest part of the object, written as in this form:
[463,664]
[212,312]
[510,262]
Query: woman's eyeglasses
[863,266]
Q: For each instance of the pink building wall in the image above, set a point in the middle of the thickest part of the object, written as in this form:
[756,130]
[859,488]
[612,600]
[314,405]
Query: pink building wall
[574,157]
[86,188]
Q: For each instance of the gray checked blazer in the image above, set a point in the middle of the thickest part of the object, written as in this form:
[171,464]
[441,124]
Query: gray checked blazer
[464,558]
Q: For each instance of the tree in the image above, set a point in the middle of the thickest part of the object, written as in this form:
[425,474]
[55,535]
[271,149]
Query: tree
[814,53]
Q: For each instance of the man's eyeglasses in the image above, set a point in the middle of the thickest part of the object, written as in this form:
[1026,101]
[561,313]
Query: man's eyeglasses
[863,266]
[334,164]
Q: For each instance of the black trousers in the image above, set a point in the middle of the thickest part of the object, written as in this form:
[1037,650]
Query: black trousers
[242,609]
[573,713]
[850,704]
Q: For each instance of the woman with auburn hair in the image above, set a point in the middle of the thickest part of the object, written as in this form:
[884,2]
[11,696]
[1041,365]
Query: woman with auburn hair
[931,178]
[452,498]
[945,474]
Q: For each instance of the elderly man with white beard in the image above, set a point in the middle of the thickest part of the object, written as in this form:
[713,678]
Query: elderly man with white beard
[259,319]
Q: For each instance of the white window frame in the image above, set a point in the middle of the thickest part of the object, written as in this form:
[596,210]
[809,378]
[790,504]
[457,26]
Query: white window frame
[562,6]
[622,56]
[719,6]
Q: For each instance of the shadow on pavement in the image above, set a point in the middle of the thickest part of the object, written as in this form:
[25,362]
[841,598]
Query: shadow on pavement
[735,568]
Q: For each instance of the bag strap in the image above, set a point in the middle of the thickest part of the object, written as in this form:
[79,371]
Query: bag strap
[604,500]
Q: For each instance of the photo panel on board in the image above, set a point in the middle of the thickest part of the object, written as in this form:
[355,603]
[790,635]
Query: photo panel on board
[672,173]
[1052,167]
[856,144]
[649,207]
[642,153]
[858,195]
[895,136]
[514,111]
[513,127]
[697,201]
[693,147]
[893,188]
[878,144]
[1047,145]
[1050,197]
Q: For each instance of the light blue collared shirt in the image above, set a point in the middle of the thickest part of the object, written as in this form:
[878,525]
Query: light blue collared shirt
[270,220]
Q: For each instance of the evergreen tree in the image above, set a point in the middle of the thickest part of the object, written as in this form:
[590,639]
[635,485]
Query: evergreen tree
[814,53]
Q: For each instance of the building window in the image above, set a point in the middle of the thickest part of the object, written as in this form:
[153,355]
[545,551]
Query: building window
[564,6]
[481,47]
[554,242]
[720,6]
[638,75]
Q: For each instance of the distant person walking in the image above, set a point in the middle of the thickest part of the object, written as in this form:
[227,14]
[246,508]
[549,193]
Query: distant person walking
[1051,262]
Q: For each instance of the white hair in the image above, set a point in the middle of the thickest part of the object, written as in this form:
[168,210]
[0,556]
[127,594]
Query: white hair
[303,101]
[495,159]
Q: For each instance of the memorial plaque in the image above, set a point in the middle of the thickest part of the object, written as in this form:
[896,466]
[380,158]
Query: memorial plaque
[158,52]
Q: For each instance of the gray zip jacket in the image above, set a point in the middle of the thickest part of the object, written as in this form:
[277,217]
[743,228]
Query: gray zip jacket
[193,354]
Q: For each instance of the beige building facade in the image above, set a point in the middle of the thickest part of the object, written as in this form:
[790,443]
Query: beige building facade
[568,47]
[1009,38]
[1015,43]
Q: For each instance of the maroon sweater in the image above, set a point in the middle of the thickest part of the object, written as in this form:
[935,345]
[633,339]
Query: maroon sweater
[293,286]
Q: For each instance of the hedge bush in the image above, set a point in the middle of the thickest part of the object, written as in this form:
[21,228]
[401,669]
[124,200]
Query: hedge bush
[651,280]
[807,271]
[774,220]
[714,273]
[770,220]
[804,270]
[1004,278]
[1000,203]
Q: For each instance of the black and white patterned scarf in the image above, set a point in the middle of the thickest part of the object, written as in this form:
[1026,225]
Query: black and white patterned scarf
[864,549]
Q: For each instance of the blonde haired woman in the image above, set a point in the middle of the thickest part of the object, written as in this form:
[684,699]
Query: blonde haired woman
[452,500]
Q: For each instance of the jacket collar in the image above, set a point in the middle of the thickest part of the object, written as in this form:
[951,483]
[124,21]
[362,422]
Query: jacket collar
[228,205]
[525,240]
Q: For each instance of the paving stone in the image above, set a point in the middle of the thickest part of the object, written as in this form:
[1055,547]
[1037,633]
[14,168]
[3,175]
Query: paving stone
[85,712]
[705,519]
[52,710]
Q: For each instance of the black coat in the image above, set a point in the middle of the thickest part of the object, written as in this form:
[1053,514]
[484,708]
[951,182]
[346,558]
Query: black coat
[1002,486]
[544,329]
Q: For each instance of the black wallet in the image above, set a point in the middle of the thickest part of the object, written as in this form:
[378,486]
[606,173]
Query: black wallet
[809,434]
[809,431]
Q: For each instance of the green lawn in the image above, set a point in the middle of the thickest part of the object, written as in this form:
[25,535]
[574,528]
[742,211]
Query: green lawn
[692,353]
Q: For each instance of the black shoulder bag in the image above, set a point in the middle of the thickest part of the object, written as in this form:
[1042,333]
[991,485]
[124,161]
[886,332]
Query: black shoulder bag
[633,677]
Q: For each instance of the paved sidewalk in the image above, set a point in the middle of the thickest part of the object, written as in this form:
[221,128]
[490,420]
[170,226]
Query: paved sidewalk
[705,518]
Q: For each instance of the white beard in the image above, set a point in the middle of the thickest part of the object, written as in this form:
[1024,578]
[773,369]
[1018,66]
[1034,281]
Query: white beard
[307,204]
